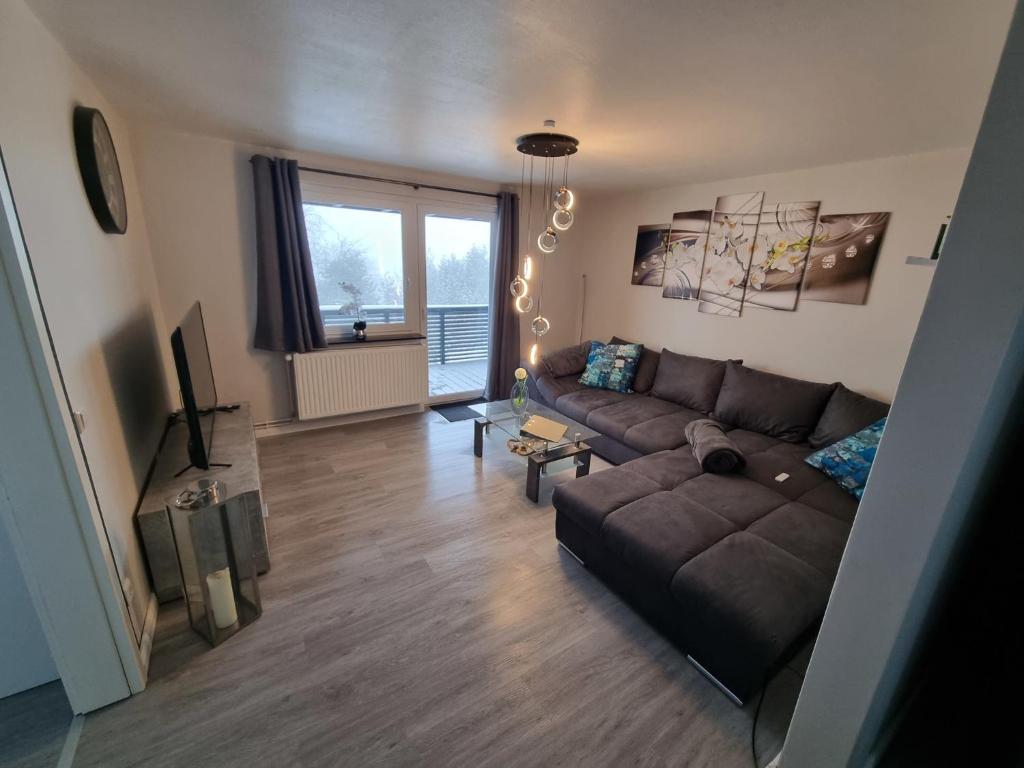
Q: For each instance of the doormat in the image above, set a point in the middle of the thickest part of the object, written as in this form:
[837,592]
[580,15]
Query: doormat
[459,411]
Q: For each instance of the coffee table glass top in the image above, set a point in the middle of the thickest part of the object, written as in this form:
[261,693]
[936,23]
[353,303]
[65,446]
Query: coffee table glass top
[501,415]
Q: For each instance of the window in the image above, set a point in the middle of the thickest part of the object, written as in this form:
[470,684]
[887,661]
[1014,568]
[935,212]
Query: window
[363,250]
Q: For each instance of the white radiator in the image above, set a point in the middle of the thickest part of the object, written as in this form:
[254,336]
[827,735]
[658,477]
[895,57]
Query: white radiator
[358,379]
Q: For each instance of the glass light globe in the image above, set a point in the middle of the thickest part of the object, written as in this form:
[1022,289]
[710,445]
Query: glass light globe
[528,267]
[562,219]
[519,286]
[540,325]
[524,304]
[564,199]
[548,240]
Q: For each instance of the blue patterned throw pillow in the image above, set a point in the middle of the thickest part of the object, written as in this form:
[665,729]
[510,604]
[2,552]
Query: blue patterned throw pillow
[611,366]
[848,462]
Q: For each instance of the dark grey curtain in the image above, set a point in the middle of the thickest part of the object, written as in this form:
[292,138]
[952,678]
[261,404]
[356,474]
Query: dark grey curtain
[287,309]
[504,343]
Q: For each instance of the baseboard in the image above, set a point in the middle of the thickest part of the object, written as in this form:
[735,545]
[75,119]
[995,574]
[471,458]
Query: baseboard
[148,630]
[274,428]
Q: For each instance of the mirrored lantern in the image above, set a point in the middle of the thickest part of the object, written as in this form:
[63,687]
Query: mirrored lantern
[561,219]
[540,325]
[524,304]
[548,240]
[216,558]
[519,286]
[564,199]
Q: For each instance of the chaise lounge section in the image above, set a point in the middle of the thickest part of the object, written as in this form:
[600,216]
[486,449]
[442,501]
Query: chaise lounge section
[736,569]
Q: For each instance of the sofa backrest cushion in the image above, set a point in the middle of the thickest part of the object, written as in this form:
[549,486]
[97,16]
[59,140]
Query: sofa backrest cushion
[774,405]
[688,380]
[646,368]
[569,361]
[847,412]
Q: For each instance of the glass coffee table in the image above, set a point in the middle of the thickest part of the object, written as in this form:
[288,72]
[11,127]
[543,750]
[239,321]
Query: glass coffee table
[542,452]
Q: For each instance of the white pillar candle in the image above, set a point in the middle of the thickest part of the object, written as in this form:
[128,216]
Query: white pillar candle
[222,599]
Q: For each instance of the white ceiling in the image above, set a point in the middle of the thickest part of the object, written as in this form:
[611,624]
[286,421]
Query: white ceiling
[659,92]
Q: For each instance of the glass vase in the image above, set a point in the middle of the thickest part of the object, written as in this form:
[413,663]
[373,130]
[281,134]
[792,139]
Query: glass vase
[520,398]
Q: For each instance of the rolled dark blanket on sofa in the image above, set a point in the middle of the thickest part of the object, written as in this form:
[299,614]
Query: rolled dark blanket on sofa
[713,448]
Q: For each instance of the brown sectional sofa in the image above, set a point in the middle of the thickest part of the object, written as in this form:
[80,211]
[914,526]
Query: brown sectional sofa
[736,569]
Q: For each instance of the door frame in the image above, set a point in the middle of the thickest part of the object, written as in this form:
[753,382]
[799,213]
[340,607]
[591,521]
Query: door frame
[46,502]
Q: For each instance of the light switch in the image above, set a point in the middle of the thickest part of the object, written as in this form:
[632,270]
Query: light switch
[79,418]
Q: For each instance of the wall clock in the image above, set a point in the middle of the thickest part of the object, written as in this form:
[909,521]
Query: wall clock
[101,175]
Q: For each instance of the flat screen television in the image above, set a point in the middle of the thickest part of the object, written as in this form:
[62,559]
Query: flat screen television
[198,391]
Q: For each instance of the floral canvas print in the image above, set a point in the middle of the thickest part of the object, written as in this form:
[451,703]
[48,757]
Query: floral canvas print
[685,254]
[843,257]
[649,257]
[780,255]
[727,255]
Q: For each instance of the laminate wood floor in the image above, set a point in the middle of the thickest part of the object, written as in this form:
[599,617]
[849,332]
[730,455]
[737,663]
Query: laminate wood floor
[419,612]
[33,726]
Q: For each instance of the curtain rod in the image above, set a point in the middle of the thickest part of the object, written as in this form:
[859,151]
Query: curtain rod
[413,184]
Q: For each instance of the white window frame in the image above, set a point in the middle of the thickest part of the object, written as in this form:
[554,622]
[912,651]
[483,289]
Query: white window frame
[317,192]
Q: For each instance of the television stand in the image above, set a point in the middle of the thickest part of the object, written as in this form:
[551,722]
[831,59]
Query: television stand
[237,466]
[213,465]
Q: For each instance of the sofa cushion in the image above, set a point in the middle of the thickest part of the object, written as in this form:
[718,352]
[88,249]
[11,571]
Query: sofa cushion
[768,403]
[553,387]
[829,498]
[746,602]
[667,468]
[765,466]
[645,369]
[661,433]
[658,533]
[577,405]
[752,442]
[739,500]
[812,536]
[588,500]
[688,380]
[847,412]
[568,361]
[613,420]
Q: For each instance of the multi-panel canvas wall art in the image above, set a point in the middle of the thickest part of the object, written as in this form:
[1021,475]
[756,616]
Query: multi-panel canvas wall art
[843,257]
[685,254]
[727,255]
[780,255]
[649,257]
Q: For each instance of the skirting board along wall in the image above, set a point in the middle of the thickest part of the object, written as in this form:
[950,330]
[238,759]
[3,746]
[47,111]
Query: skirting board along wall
[863,346]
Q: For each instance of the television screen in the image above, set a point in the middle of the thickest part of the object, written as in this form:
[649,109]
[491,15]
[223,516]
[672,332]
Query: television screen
[195,378]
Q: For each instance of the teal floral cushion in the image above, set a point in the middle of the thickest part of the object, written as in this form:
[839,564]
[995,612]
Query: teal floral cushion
[848,462]
[611,366]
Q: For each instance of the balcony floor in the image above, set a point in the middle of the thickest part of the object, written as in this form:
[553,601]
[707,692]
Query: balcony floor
[457,378]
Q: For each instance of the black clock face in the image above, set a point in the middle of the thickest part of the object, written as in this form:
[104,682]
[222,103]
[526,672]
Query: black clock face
[101,174]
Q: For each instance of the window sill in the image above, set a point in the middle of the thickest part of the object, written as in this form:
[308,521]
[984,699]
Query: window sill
[350,342]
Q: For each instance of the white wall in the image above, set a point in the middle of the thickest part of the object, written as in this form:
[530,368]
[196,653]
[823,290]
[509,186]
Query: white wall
[25,659]
[198,196]
[863,346]
[98,290]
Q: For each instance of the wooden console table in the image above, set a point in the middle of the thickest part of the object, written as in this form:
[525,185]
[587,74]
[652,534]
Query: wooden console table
[234,443]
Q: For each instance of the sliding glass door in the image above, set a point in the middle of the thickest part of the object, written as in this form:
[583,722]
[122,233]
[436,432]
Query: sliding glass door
[457,248]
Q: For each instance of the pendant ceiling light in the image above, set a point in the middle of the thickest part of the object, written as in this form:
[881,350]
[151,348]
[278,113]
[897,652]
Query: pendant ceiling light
[552,149]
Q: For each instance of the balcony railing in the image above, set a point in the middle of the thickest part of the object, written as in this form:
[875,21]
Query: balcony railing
[456,333]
